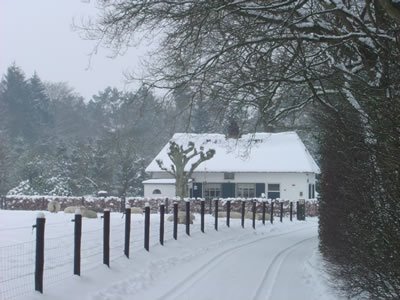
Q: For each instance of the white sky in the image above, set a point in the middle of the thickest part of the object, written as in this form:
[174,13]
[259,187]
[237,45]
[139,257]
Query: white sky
[37,35]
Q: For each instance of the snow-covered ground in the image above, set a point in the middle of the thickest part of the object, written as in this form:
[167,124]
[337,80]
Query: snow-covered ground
[279,261]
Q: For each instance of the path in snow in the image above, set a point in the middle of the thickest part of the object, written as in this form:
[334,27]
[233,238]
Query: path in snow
[275,262]
[271,267]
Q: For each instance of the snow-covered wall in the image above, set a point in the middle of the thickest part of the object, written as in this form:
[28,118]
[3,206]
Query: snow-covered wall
[21,202]
[167,190]
[293,186]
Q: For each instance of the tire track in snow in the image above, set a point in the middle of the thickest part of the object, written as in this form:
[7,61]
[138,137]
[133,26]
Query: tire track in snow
[200,272]
[267,283]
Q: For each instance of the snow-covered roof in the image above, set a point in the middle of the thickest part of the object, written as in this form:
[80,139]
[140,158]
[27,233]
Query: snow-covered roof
[257,152]
[159,181]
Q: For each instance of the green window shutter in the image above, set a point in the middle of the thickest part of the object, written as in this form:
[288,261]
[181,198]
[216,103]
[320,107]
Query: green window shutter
[260,188]
[228,190]
[197,190]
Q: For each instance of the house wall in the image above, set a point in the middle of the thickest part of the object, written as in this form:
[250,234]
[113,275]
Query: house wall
[167,190]
[291,184]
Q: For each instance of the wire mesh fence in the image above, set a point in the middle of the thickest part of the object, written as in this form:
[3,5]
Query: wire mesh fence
[17,269]
[17,261]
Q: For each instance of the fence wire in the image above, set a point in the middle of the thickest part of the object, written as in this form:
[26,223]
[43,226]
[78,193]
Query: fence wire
[17,269]
[17,262]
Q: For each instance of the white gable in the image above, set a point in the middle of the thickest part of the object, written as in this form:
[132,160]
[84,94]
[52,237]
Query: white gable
[258,152]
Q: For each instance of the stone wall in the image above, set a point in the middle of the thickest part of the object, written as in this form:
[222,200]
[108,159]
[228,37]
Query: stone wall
[115,204]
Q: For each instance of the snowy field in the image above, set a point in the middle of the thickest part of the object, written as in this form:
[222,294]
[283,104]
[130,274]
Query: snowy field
[278,261]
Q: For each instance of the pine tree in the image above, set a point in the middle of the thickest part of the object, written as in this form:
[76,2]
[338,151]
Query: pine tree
[14,93]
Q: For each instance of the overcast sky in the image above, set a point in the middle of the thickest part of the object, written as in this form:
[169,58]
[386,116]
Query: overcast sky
[37,35]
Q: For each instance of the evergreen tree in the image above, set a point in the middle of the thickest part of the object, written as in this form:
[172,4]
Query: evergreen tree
[14,93]
[40,104]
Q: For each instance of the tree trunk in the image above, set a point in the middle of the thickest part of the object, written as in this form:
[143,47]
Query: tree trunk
[181,186]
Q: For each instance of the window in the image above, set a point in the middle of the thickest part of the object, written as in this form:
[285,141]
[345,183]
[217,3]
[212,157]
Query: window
[156,192]
[311,191]
[229,176]
[274,191]
[245,190]
[212,190]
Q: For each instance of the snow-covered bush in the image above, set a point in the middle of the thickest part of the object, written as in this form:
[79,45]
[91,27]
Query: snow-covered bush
[71,209]
[53,186]
[136,210]
[23,188]
[87,213]
[182,218]
[53,206]
[57,186]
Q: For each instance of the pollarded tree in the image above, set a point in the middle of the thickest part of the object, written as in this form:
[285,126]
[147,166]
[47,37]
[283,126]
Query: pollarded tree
[180,157]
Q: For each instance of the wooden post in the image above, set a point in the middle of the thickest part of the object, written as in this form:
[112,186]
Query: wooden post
[175,220]
[272,211]
[291,210]
[106,237]
[127,230]
[263,211]
[202,212]
[39,262]
[77,241]
[216,215]
[147,226]
[281,211]
[162,217]
[243,212]
[254,213]
[228,213]
[187,217]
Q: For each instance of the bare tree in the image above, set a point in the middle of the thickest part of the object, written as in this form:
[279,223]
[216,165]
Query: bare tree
[180,157]
[341,55]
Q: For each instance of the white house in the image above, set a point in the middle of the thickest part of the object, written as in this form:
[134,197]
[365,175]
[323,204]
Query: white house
[277,164]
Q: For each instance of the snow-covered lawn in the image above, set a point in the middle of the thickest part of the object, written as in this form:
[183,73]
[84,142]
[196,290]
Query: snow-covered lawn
[278,261]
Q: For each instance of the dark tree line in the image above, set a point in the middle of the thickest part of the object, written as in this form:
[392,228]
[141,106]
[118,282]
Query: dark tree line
[337,59]
[54,142]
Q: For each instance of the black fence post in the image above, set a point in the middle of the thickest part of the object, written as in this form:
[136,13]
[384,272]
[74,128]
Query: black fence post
[272,212]
[106,237]
[175,220]
[297,210]
[127,230]
[210,206]
[167,205]
[202,211]
[162,217]
[281,212]
[291,211]
[187,217]
[263,211]
[254,213]
[228,212]
[216,215]
[39,263]
[77,241]
[243,212]
[147,226]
